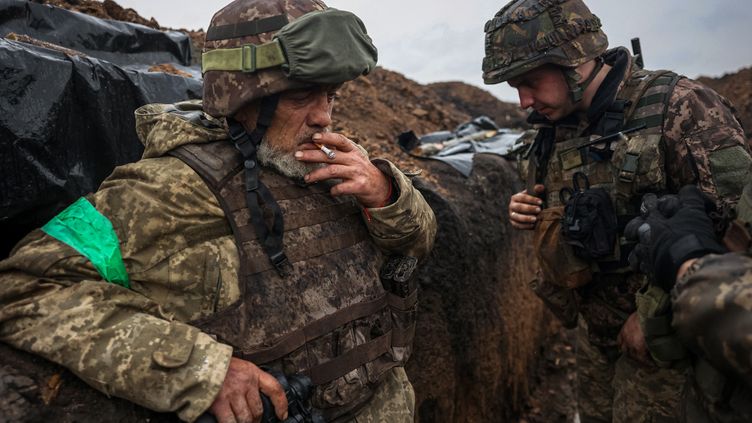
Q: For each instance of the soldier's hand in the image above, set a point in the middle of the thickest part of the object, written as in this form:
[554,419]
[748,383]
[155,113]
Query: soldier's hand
[359,177]
[671,231]
[239,400]
[524,208]
[631,340]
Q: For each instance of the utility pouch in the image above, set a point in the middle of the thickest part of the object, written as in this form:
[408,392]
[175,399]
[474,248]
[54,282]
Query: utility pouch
[589,224]
[558,262]
[654,311]
[561,301]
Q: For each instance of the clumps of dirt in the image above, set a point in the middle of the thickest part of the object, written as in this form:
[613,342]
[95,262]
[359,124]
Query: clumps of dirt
[737,87]
[169,68]
[30,40]
[107,9]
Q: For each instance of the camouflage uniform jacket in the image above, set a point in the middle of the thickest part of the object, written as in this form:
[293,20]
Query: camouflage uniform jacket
[712,305]
[700,141]
[135,343]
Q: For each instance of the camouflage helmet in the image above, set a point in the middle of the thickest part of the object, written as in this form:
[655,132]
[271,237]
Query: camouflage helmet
[526,34]
[256,48]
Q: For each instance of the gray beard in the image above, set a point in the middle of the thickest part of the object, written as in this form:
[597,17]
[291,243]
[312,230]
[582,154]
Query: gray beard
[283,162]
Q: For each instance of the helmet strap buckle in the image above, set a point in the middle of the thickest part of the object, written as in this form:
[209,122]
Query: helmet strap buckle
[248,55]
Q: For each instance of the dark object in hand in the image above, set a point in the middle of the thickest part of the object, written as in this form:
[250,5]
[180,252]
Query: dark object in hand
[298,389]
[671,230]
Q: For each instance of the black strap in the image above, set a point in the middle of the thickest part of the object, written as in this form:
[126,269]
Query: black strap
[246,29]
[255,190]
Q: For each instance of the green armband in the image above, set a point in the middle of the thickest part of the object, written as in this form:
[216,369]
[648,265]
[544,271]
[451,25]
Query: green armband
[85,229]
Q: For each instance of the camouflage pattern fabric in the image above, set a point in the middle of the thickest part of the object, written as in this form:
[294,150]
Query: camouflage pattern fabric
[526,34]
[182,260]
[226,92]
[712,303]
[705,144]
[702,143]
[394,401]
[616,388]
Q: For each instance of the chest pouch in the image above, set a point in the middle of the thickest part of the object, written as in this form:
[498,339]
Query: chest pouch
[589,224]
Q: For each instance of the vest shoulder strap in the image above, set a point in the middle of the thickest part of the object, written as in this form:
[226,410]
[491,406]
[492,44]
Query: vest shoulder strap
[215,162]
[648,98]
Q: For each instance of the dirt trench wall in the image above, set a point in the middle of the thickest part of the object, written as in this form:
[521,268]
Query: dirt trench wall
[479,326]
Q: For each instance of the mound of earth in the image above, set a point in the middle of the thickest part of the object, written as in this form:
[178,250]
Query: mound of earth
[106,9]
[476,101]
[736,87]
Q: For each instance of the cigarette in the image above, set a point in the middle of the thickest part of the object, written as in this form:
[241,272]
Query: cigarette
[329,153]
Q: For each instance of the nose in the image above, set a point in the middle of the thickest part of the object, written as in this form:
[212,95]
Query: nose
[526,97]
[320,113]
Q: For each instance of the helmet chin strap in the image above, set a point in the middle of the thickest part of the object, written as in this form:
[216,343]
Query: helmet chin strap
[256,192]
[577,88]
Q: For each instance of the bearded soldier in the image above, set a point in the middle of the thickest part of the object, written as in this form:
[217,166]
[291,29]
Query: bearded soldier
[608,132]
[248,234]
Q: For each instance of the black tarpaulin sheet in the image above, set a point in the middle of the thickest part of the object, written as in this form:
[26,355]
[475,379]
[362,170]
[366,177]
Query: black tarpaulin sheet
[65,123]
[117,42]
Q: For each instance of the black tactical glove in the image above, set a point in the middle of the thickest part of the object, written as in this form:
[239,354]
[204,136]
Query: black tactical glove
[671,231]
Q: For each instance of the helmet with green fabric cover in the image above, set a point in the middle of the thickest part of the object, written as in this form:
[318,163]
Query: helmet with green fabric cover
[256,48]
[526,34]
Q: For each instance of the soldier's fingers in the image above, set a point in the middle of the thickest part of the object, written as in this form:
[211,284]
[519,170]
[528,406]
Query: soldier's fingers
[524,197]
[271,387]
[649,204]
[334,171]
[522,218]
[333,139]
[668,205]
[630,231]
[222,412]
[523,208]
[644,234]
[255,405]
[240,409]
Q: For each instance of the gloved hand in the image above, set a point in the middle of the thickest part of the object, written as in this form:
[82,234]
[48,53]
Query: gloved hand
[671,230]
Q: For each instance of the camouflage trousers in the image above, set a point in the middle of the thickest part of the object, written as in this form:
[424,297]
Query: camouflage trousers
[394,401]
[622,390]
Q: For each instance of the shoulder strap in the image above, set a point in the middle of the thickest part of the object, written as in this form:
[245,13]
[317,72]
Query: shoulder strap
[215,162]
[655,88]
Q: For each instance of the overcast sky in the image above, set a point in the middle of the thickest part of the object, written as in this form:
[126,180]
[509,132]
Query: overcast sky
[431,41]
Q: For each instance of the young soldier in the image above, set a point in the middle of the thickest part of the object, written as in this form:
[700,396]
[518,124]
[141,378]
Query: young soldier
[662,131]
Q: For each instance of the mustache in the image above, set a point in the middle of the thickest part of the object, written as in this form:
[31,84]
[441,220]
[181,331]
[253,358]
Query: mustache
[308,137]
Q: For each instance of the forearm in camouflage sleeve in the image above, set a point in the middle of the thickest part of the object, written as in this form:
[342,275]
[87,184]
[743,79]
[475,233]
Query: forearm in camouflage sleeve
[408,226]
[116,340]
[712,306]
[705,144]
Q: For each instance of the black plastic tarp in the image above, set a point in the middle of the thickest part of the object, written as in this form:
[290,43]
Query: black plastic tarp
[121,43]
[65,123]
